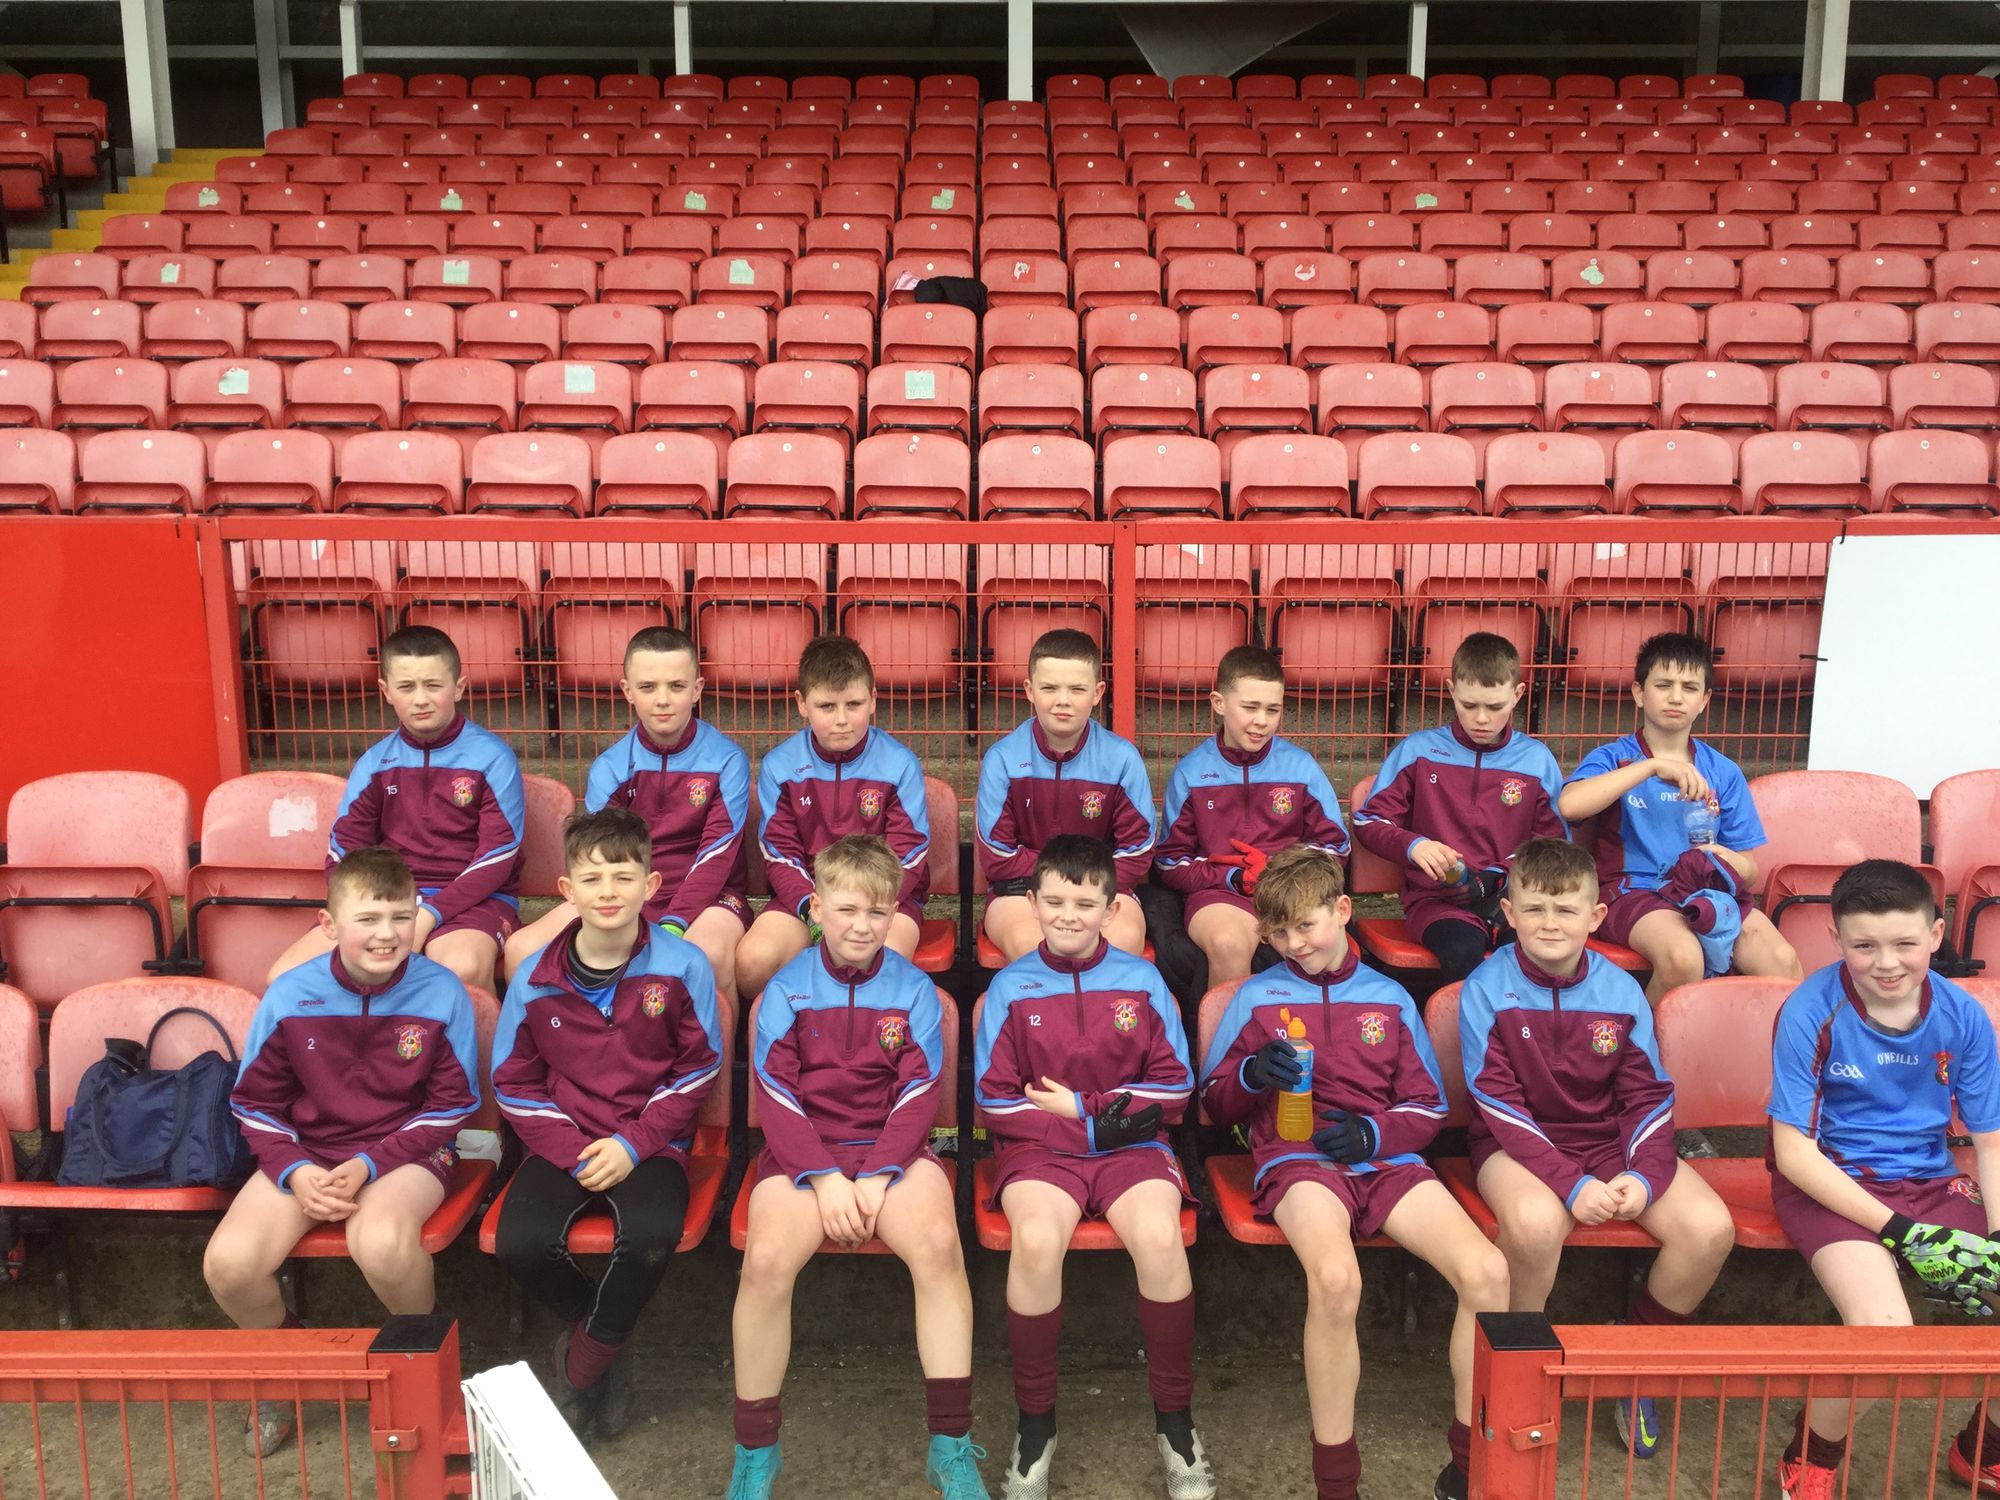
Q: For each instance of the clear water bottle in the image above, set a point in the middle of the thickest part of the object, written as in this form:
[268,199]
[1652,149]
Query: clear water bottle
[1698,814]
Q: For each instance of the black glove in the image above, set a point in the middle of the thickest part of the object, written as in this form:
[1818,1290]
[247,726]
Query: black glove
[1112,1127]
[1345,1137]
[1276,1062]
[1483,890]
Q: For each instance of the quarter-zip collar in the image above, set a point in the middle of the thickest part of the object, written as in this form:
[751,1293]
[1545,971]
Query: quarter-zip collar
[844,757]
[1082,965]
[552,969]
[1340,973]
[1243,758]
[1458,733]
[449,733]
[1535,974]
[843,974]
[355,987]
[1058,757]
[686,739]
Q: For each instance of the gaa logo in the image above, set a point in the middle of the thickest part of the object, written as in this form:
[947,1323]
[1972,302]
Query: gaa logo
[1125,1015]
[891,1032]
[1093,804]
[653,999]
[1511,791]
[1281,800]
[463,790]
[410,1043]
[871,803]
[1603,1037]
[1374,1028]
[698,792]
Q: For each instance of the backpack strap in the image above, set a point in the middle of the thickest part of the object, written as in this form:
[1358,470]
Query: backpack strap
[228,1046]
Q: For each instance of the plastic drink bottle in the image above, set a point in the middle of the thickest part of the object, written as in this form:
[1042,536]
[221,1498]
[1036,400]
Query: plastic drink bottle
[1700,822]
[1295,1104]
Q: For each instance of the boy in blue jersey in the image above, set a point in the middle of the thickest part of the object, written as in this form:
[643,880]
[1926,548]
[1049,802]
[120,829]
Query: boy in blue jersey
[1657,795]
[846,1052]
[1572,1113]
[608,1044]
[1376,1101]
[1451,805]
[446,795]
[1062,772]
[1869,1057]
[691,783]
[1234,801]
[837,776]
[1081,1066]
[359,1069]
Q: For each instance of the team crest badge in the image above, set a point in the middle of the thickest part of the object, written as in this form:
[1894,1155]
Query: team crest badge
[410,1042]
[653,999]
[892,1032]
[1965,1187]
[1603,1037]
[1511,791]
[444,1158]
[463,790]
[1093,804]
[698,791]
[1281,800]
[1125,1015]
[1943,1061]
[871,803]
[1374,1028]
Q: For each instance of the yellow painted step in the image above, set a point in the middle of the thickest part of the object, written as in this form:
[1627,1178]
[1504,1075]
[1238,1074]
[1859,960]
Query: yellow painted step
[210,154]
[10,291]
[75,239]
[134,203]
[184,171]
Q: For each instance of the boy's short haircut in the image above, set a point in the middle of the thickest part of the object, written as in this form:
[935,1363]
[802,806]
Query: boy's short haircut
[376,874]
[859,862]
[1066,645]
[1079,859]
[1552,866]
[420,640]
[833,661]
[658,638]
[1486,660]
[1297,882]
[1673,648]
[1876,887]
[616,835]
[1246,663]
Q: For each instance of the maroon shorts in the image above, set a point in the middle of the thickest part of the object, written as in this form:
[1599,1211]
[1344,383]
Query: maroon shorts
[1951,1201]
[850,1159]
[1421,912]
[493,916]
[441,1164]
[1602,1162]
[1623,913]
[1368,1197]
[1095,1182]
[1202,900]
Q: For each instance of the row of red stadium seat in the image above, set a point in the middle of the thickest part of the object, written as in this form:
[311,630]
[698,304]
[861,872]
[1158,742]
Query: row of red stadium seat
[804,472]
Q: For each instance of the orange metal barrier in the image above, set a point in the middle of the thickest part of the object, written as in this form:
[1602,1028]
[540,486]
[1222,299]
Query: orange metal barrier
[1364,615]
[124,1413]
[1728,1400]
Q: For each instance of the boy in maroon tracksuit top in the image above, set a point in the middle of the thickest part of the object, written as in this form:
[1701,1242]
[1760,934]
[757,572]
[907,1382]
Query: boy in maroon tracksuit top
[1080,1064]
[1376,1100]
[1452,804]
[1233,802]
[446,795]
[1573,1117]
[359,1068]
[847,1051]
[608,1044]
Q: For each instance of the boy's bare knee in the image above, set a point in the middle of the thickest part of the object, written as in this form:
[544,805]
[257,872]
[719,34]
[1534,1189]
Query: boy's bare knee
[765,1268]
[1482,1279]
[1714,1233]
[1335,1282]
[1040,1244]
[1535,1231]
[229,1265]
[383,1244]
[933,1252]
[1155,1239]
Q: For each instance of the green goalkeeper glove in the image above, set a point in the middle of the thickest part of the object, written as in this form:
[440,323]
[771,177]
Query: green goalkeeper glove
[1943,1259]
[673,925]
[1961,1297]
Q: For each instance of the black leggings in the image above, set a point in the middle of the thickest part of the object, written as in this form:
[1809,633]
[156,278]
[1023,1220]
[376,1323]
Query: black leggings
[647,1211]
[1460,946]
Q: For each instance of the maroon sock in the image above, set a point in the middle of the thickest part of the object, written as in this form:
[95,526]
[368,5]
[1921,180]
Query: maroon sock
[948,1406]
[1647,1311]
[1825,1452]
[1168,1328]
[1035,1341]
[588,1359]
[1337,1470]
[1458,1437]
[1988,1446]
[757,1421]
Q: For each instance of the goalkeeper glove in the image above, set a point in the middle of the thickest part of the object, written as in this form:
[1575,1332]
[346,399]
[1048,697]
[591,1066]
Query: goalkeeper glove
[1943,1258]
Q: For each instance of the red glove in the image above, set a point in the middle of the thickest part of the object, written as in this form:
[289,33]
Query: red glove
[1248,861]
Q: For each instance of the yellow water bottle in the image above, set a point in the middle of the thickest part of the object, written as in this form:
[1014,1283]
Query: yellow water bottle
[1295,1104]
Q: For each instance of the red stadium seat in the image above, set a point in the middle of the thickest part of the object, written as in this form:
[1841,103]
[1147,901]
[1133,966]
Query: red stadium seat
[905,472]
[1758,333]
[1030,398]
[126,470]
[516,333]
[263,868]
[405,332]
[1546,474]
[1036,474]
[1869,333]
[1417,473]
[1941,471]
[1442,333]
[82,330]
[294,330]
[538,472]
[1131,335]
[1286,473]
[1608,599]
[1964,810]
[37,470]
[270,471]
[787,472]
[401,471]
[1161,473]
[93,857]
[1026,589]
[1811,472]
[59,278]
